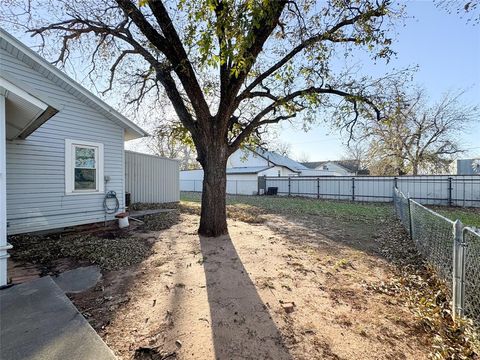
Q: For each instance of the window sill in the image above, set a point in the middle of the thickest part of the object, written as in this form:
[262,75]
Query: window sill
[74,193]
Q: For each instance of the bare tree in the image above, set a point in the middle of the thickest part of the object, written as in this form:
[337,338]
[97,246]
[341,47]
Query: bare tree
[166,142]
[229,68]
[303,158]
[358,152]
[416,136]
[282,148]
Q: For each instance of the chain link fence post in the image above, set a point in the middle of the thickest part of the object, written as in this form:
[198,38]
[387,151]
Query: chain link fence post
[318,188]
[289,186]
[458,270]
[410,227]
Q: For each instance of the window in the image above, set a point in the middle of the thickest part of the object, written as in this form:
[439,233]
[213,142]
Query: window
[83,167]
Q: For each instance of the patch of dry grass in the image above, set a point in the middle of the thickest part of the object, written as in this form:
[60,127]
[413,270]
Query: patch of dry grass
[241,212]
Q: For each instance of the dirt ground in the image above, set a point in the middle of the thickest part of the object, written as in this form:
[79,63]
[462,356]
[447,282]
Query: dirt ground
[232,297]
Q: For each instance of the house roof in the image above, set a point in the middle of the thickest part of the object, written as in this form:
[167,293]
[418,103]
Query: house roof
[247,170]
[26,110]
[28,56]
[349,165]
[280,160]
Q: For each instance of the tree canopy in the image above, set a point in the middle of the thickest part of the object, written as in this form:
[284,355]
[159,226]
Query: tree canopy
[229,68]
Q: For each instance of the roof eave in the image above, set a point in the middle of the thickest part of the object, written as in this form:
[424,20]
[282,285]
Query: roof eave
[132,130]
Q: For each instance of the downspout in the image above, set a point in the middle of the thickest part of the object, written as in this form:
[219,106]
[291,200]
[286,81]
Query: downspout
[4,246]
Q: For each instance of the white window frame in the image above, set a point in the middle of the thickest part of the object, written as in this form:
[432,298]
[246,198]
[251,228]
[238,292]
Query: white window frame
[70,167]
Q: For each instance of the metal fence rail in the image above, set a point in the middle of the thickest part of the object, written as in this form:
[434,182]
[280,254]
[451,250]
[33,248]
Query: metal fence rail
[455,190]
[451,248]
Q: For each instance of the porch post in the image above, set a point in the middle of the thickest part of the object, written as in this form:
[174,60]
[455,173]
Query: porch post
[3,194]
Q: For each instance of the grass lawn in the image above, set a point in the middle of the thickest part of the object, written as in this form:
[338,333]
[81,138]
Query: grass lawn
[342,210]
[468,216]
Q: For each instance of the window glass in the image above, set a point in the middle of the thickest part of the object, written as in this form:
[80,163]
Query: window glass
[85,168]
[85,179]
[84,157]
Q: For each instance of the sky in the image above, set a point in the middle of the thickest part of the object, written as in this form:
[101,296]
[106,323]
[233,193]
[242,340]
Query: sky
[447,52]
[444,46]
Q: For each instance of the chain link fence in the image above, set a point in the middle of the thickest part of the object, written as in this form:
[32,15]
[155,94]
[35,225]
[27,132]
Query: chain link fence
[452,249]
[402,208]
[472,274]
[433,237]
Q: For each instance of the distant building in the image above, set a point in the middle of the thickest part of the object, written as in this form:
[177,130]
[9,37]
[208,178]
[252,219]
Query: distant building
[244,167]
[341,167]
[466,167]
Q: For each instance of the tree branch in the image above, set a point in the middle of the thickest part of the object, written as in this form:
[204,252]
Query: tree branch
[328,35]
[354,99]
[178,57]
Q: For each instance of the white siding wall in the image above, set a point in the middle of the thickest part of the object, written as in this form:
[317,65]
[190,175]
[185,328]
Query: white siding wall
[151,179]
[237,184]
[247,158]
[331,166]
[36,197]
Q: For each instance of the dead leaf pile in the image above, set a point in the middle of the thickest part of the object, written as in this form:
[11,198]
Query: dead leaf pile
[109,254]
[161,221]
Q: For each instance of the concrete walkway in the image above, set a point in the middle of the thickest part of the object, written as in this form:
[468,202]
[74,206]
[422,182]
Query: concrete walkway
[39,322]
[78,280]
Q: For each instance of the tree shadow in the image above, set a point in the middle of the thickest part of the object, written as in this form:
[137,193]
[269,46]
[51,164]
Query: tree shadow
[241,324]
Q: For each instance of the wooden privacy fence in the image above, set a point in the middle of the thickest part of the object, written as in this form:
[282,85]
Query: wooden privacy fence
[151,179]
[448,190]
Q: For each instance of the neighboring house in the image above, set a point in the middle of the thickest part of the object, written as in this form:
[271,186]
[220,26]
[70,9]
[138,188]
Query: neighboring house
[61,148]
[244,167]
[466,167]
[277,165]
[340,167]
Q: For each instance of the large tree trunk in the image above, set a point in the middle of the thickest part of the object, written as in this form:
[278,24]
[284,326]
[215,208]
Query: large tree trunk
[213,217]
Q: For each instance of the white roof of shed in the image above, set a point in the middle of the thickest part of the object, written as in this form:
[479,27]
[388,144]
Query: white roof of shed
[27,55]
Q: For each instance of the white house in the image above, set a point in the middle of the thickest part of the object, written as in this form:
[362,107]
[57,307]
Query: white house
[339,167]
[61,148]
[466,167]
[244,167]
